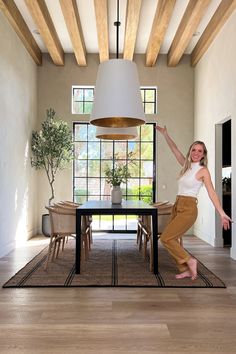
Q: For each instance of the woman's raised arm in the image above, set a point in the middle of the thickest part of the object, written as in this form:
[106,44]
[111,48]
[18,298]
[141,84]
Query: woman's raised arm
[178,154]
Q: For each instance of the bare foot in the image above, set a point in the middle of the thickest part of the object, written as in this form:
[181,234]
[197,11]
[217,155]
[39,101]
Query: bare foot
[186,274]
[192,264]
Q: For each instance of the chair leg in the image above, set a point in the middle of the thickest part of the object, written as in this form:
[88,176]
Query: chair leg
[151,255]
[140,238]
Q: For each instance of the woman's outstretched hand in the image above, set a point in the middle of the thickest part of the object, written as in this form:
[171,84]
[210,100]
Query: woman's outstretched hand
[225,221]
[162,130]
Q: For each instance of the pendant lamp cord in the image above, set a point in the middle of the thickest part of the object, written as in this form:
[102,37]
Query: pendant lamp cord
[117,24]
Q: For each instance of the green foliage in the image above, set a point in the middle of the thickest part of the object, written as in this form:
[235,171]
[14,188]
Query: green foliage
[119,172]
[145,193]
[52,147]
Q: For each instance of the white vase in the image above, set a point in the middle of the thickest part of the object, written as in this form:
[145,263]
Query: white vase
[116,195]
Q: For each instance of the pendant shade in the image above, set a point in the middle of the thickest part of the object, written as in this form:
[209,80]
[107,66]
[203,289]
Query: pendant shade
[116,133]
[117,101]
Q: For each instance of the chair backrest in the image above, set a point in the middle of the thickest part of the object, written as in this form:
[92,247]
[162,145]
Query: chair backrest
[164,210]
[164,214]
[63,221]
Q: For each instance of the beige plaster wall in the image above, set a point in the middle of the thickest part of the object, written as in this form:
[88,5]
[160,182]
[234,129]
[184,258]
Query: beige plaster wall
[175,109]
[18,102]
[215,100]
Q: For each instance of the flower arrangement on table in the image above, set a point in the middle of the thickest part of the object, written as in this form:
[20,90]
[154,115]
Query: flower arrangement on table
[119,172]
[116,175]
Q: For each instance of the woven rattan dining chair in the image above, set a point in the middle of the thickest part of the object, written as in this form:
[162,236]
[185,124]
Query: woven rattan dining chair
[88,218]
[145,229]
[63,225]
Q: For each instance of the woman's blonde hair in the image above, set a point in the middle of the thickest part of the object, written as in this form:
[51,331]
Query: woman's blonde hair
[203,161]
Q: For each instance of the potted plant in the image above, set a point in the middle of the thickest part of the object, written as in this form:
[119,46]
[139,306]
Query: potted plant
[52,150]
[116,175]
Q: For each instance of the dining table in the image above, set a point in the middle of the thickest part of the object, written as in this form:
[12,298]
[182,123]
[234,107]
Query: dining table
[105,207]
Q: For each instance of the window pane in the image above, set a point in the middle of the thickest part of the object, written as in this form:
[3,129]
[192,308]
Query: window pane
[147,169]
[88,94]
[80,186]
[77,107]
[91,132]
[94,186]
[149,108]
[146,151]
[80,150]
[147,133]
[80,132]
[78,94]
[133,169]
[80,168]
[93,150]
[150,96]
[121,149]
[134,147]
[146,190]
[106,150]
[104,165]
[88,107]
[119,223]
[133,186]
[105,189]
[94,168]
[106,222]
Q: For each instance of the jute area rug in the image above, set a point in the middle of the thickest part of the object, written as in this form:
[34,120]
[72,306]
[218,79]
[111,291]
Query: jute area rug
[112,263]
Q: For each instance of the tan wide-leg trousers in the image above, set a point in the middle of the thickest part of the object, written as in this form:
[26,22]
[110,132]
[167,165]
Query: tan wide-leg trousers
[183,216]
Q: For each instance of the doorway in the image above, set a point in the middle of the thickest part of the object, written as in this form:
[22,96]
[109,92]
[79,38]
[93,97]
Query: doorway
[226,177]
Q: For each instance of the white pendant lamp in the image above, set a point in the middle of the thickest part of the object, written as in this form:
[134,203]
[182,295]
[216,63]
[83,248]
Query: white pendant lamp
[116,133]
[117,100]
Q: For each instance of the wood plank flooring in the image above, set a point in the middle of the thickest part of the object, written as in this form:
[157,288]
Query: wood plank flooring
[120,320]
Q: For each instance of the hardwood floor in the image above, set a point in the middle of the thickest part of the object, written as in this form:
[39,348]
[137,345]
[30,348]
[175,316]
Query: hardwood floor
[119,320]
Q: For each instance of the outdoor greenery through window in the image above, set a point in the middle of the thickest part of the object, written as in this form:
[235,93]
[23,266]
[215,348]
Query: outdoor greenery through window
[92,155]
[82,99]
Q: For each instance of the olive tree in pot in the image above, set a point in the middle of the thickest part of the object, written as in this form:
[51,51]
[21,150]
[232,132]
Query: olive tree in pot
[52,150]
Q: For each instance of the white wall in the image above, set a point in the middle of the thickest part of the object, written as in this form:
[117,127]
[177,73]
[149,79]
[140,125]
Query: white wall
[215,99]
[18,103]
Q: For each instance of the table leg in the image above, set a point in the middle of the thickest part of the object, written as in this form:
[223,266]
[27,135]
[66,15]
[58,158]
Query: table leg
[78,242]
[155,241]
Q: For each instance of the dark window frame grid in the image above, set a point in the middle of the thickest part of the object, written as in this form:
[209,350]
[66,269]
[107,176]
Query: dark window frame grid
[144,90]
[140,178]
[83,101]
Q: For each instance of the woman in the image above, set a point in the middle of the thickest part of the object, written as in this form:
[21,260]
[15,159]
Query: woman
[193,175]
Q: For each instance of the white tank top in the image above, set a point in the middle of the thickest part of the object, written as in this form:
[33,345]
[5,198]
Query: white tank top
[188,185]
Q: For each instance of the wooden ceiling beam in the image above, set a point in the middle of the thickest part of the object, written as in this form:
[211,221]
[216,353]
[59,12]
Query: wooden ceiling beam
[101,13]
[131,27]
[188,25]
[16,20]
[221,15]
[71,15]
[160,23]
[42,18]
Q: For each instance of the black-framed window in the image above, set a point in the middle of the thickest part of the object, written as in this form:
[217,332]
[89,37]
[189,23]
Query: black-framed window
[91,157]
[83,96]
[149,99]
[82,99]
